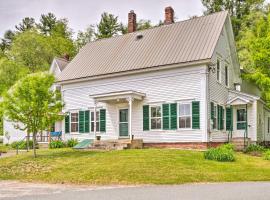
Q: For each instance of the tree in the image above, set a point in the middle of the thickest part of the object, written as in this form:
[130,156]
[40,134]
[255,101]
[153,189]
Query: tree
[33,104]
[7,40]
[26,24]
[47,23]
[108,26]
[254,50]
[144,24]
[85,37]
[32,50]
[238,9]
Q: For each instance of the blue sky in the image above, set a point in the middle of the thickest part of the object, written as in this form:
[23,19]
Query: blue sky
[82,13]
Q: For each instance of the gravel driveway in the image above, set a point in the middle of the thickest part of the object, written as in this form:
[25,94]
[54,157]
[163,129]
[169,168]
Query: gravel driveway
[228,191]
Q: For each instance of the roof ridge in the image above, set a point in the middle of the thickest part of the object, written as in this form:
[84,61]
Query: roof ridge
[155,27]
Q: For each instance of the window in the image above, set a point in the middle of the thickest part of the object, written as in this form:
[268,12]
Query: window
[93,121]
[241,119]
[155,117]
[268,124]
[74,122]
[218,70]
[215,117]
[226,76]
[184,115]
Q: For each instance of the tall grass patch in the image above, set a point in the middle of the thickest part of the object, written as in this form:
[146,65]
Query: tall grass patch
[224,153]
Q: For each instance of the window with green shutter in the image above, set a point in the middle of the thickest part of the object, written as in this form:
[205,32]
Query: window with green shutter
[166,116]
[196,115]
[229,119]
[81,122]
[146,117]
[212,111]
[102,119]
[86,121]
[222,118]
[67,123]
[173,116]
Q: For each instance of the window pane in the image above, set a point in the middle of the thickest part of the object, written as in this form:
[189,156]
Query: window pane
[97,116]
[187,109]
[241,115]
[188,124]
[92,126]
[92,116]
[158,108]
[97,126]
[153,124]
[74,117]
[182,110]
[226,75]
[153,111]
[182,122]
[74,127]
[158,123]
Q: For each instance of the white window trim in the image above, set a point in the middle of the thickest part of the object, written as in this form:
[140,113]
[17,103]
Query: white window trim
[161,117]
[90,125]
[74,133]
[178,116]
[220,69]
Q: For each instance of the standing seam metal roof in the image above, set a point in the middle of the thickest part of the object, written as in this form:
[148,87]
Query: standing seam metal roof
[186,41]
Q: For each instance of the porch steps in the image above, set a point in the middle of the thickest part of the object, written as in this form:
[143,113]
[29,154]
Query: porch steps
[84,144]
[117,144]
[239,143]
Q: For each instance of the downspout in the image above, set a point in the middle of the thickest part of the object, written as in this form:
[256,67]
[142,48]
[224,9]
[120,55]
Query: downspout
[207,104]
[246,127]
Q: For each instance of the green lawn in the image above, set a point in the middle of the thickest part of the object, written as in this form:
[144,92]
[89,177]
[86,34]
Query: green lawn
[148,166]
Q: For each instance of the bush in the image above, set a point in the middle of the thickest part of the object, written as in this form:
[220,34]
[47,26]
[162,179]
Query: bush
[223,153]
[3,149]
[72,142]
[255,150]
[22,144]
[57,144]
[267,155]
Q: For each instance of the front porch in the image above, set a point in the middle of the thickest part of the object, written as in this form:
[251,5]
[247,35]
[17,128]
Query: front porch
[122,104]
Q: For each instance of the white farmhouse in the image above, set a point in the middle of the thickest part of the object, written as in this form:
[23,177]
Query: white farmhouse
[176,85]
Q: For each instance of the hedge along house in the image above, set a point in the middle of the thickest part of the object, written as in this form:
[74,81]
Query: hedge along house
[176,85]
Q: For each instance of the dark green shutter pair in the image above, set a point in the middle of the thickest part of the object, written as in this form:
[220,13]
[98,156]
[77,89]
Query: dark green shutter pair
[229,119]
[169,116]
[84,123]
[220,113]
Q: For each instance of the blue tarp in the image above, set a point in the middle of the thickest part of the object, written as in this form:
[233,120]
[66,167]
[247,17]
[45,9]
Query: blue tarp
[56,134]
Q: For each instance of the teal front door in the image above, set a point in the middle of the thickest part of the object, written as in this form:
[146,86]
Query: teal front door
[123,123]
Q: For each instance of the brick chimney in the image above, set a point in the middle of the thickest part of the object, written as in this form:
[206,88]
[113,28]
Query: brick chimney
[66,57]
[169,15]
[131,21]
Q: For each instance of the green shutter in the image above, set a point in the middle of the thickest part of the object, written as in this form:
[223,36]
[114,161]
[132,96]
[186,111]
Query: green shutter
[229,119]
[218,117]
[212,111]
[166,116]
[67,123]
[81,121]
[173,109]
[86,121]
[102,120]
[196,115]
[146,117]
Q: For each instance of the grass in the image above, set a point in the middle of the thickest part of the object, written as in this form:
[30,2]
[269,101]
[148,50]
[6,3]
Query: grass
[148,166]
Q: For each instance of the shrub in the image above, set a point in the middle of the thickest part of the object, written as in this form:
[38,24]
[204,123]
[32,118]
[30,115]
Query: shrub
[255,150]
[57,144]
[267,155]
[223,153]
[72,142]
[3,149]
[22,144]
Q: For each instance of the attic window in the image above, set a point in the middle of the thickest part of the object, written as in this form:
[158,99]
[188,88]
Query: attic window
[138,37]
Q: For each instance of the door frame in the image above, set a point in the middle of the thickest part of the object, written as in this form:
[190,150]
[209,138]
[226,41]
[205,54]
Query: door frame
[118,124]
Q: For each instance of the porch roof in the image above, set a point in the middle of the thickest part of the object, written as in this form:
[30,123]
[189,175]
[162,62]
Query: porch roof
[240,98]
[118,95]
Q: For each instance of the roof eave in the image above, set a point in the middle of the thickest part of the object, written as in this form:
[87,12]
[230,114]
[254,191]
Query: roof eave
[149,69]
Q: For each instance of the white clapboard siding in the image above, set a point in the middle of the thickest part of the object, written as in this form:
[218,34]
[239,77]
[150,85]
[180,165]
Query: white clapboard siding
[11,132]
[176,85]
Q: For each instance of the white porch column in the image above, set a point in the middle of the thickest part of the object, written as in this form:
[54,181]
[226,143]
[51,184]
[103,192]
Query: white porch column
[95,118]
[130,100]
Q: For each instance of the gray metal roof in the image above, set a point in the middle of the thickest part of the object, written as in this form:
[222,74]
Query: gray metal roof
[186,41]
[62,63]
